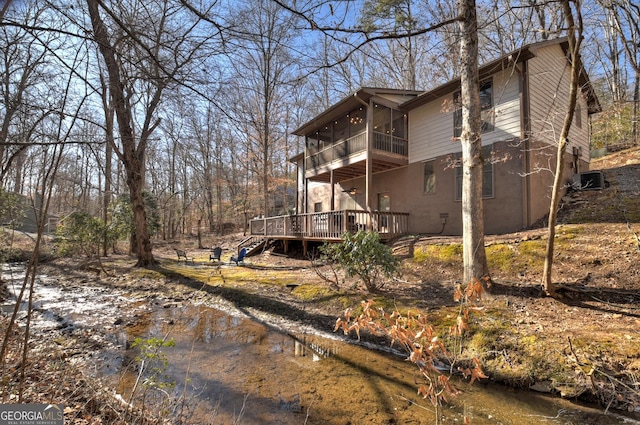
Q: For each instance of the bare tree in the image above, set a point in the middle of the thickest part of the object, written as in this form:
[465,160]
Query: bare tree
[624,24]
[400,57]
[23,79]
[148,53]
[505,26]
[474,256]
[574,36]
[54,129]
[265,62]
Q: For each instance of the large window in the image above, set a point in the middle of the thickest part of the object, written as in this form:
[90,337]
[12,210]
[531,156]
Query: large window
[357,121]
[389,121]
[341,129]
[486,106]
[399,126]
[487,174]
[429,181]
[381,119]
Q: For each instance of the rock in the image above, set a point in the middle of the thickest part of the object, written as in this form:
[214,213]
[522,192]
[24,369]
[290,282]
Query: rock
[542,387]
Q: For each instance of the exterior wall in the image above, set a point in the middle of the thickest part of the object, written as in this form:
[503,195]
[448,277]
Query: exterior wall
[540,178]
[426,210]
[431,137]
[548,92]
[522,181]
[548,86]
[319,192]
[431,125]
[405,187]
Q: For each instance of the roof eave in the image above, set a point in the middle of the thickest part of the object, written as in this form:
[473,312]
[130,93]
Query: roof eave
[484,71]
[347,104]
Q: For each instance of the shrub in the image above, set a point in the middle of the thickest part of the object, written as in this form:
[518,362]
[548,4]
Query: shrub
[362,254]
[80,233]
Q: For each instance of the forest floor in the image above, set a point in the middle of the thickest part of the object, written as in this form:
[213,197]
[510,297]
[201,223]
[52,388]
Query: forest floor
[584,343]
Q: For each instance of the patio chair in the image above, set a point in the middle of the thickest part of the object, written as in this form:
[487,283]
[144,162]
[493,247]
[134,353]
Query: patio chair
[240,258]
[182,256]
[215,254]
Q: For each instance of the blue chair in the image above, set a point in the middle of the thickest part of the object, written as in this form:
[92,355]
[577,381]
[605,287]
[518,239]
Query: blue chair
[215,254]
[240,258]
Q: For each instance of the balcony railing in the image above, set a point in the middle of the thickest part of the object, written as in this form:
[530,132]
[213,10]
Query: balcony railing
[354,145]
[392,144]
[330,225]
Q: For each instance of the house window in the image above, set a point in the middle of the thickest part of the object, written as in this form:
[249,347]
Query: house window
[487,174]
[384,201]
[429,181]
[317,207]
[577,116]
[486,107]
[357,121]
[325,136]
[381,119]
[399,127]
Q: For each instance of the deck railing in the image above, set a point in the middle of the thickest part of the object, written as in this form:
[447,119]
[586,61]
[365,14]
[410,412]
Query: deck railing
[330,225]
[354,145]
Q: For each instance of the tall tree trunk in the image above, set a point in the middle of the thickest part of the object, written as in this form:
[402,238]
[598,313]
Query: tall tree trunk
[219,188]
[108,154]
[574,35]
[132,156]
[107,195]
[474,256]
[636,102]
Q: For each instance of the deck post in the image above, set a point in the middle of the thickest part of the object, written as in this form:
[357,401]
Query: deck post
[333,193]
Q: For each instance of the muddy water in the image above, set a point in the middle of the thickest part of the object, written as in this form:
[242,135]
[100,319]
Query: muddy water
[226,368]
[240,371]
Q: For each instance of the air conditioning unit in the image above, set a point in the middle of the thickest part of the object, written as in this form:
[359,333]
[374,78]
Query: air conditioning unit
[589,180]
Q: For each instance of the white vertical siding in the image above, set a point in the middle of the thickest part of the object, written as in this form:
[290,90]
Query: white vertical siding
[431,125]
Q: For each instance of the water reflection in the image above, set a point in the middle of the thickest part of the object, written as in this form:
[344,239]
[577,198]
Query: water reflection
[231,364]
[319,351]
[229,369]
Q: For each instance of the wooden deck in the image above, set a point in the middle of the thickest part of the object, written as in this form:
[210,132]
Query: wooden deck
[330,226]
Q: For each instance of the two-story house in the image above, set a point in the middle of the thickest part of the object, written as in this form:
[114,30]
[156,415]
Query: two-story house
[388,160]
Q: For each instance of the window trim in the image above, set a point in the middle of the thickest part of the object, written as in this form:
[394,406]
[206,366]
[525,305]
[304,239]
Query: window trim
[488,168]
[433,174]
[577,116]
[487,113]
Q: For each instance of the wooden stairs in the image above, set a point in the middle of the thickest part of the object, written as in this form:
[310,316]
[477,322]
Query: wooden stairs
[253,244]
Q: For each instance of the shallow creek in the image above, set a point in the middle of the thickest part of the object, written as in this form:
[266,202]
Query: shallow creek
[228,368]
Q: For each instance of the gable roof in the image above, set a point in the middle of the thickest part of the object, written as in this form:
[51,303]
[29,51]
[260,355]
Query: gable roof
[364,94]
[517,56]
[352,101]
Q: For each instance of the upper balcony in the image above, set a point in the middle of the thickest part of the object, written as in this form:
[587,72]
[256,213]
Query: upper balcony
[365,125]
[347,157]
